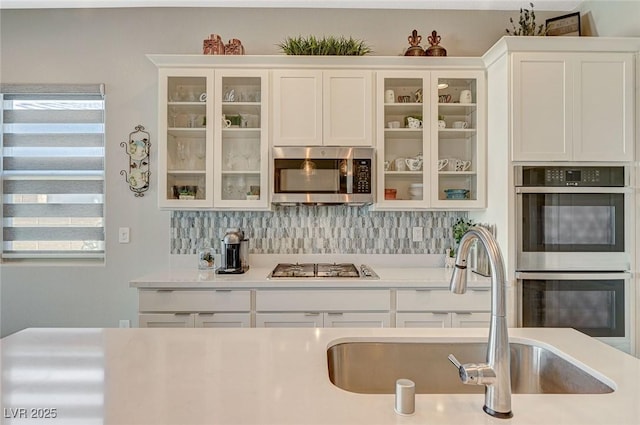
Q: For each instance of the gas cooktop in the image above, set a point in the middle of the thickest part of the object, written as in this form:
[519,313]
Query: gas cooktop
[322,270]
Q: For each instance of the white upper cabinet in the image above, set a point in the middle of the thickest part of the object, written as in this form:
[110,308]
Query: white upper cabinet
[315,107]
[185,138]
[431,128]
[241,144]
[572,106]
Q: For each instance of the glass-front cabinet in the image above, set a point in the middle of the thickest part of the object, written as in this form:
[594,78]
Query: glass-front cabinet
[185,140]
[458,146]
[241,151]
[403,139]
[213,139]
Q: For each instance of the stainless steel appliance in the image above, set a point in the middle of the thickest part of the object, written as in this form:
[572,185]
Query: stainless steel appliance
[234,249]
[323,175]
[593,303]
[572,218]
[573,256]
[322,270]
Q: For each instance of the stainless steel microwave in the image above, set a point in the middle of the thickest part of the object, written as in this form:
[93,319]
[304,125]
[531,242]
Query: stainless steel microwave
[323,175]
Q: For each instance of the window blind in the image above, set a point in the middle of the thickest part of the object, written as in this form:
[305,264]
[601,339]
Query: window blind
[52,171]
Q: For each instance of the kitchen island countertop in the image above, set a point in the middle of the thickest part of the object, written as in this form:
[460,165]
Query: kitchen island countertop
[270,376]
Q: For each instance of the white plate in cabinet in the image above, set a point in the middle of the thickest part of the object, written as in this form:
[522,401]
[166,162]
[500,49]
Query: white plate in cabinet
[477,299]
[158,300]
[322,300]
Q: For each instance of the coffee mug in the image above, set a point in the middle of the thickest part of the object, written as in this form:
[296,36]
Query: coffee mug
[389,96]
[400,164]
[460,124]
[414,122]
[225,121]
[465,96]
[442,163]
[414,164]
[387,165]
[444,98]
[393,124]
[404,99]
[462,165]
[442,124]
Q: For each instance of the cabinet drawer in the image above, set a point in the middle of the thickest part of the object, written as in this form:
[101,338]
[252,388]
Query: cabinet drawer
[323,300]
[443,300]
[185,300]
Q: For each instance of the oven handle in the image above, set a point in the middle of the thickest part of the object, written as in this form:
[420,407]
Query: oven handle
[573,189]
[572,276]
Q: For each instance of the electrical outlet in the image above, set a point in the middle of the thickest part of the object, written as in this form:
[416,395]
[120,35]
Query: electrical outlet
[417,234]
[123,235]
[124,323]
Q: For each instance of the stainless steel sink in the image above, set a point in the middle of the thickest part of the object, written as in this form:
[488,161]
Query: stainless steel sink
[374,367]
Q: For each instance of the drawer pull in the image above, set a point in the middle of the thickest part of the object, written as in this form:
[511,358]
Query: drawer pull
[312,313]
[182,314]
[164,290]
[206,314]
[465,313]
[424,290]
[480,289]
[335,313]
[439,312]
[223,290]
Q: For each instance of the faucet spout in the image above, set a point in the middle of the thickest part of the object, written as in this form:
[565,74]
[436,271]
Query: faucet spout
[497,401]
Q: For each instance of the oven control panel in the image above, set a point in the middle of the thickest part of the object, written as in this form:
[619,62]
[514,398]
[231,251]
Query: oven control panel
[554,176]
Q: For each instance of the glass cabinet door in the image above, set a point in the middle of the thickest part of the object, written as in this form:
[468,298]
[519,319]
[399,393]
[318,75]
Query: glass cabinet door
[241,139]
[458,139]
[185,139]
[403,113]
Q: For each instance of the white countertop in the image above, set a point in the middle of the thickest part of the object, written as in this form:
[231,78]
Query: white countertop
[394,272]
[270,376]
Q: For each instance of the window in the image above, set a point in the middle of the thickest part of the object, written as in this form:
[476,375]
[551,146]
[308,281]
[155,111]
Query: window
[52,172]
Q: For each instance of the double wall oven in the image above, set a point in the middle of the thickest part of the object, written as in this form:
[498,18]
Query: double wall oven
[573,258]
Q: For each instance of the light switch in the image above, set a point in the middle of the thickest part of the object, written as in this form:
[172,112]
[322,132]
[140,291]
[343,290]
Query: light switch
[417,235]
[123,235]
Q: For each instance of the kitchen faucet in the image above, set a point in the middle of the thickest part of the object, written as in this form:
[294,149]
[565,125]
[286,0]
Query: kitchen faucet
[495,374]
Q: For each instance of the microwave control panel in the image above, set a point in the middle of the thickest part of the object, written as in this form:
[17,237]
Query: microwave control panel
[361,176]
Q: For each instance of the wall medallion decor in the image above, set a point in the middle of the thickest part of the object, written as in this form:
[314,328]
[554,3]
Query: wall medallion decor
[138,150]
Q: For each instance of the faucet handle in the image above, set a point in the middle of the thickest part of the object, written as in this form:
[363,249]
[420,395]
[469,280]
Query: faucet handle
[472,373]
[455,361]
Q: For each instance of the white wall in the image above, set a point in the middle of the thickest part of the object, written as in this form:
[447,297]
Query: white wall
[613,18]
[109,46]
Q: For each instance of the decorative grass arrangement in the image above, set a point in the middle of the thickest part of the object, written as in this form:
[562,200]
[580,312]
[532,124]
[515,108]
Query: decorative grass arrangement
[527,24]
[336,46]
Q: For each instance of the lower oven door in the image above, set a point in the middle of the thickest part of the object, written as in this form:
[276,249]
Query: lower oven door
[596,304]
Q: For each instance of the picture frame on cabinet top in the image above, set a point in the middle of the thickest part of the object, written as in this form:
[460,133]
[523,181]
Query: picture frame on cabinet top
[565,25]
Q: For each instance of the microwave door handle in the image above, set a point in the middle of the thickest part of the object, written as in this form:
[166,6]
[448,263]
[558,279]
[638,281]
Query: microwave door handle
[349,174]
[572,189]
[572,276]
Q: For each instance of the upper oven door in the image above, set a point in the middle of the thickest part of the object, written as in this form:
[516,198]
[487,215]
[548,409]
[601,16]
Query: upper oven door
[571,228]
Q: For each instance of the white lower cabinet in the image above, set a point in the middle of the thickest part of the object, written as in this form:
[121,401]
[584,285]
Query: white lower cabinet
[317,308]
[323,319]
[213,308]
[166,320]
[438,319]
[439,308]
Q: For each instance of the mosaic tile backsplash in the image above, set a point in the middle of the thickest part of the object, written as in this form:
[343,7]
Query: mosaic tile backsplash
[317,230]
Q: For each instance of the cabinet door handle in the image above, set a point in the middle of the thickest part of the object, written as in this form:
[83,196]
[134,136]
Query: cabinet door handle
[312,313]
[336,313]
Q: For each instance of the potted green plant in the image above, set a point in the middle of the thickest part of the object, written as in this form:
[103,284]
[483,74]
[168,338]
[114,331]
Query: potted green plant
[339,46]
[527,24]
[459,228]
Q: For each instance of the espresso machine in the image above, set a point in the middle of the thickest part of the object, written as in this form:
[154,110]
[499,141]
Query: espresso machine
[234,252]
